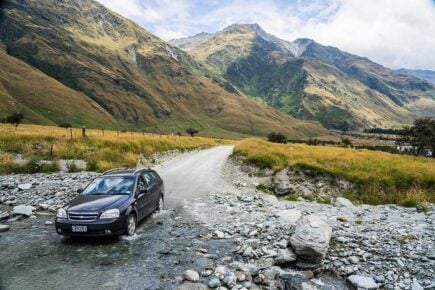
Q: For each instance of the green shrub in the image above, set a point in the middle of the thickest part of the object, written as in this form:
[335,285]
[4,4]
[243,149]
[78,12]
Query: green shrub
[264,188]
[92,165]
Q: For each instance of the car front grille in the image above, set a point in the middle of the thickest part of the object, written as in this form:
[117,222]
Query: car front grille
[82,216]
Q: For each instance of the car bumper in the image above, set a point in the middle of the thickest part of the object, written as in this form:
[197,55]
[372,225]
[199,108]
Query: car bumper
[98,227]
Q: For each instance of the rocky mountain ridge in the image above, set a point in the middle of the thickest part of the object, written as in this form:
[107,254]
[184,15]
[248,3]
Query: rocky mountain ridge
[311,81]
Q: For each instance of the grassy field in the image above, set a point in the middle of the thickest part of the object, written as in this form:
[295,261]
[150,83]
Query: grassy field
[380,177]
[114,149]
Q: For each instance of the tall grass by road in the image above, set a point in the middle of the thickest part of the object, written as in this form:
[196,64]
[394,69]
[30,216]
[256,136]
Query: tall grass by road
[113,149]
[380,177]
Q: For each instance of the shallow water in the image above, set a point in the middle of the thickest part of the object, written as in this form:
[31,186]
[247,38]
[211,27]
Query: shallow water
[33,256]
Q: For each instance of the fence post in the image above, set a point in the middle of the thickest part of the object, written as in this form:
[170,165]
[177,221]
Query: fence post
[102,130]
[71,134]
[84,131]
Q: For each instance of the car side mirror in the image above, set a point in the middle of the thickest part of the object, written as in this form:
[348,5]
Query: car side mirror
[80,190]
[144,191]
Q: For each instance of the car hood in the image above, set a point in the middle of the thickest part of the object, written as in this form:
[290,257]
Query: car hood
[96,203]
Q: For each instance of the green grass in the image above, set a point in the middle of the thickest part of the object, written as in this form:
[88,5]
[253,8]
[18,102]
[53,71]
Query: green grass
[379,177]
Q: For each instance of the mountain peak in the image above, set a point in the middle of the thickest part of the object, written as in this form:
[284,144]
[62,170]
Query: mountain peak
[243,28]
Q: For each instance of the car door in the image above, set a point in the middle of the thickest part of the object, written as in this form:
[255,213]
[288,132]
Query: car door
[152,192]
[141,198]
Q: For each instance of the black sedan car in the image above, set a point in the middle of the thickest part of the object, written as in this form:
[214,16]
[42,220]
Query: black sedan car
[112,204]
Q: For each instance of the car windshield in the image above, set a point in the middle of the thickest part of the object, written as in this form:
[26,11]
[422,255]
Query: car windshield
[110,185]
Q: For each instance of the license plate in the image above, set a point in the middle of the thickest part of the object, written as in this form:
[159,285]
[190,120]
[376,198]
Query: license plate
[79,229]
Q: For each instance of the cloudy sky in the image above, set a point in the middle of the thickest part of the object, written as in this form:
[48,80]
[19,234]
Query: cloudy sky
[395,33]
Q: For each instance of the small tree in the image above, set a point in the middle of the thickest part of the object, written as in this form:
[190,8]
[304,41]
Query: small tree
[65,125]
[192,131]
[277,138]
[346,142]
[15,119]
[421,136]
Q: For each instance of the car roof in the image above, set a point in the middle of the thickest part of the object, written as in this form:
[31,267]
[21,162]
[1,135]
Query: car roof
[126,171]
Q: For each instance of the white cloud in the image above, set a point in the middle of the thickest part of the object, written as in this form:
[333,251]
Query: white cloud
[395,33]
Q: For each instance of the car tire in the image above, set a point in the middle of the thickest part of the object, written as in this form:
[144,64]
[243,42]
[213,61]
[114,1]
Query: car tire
[161,204]
[131,225]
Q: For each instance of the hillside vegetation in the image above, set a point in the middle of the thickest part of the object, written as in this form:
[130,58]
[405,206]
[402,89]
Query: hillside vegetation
[135,78]
[114,149]
[380,177]
[44,100]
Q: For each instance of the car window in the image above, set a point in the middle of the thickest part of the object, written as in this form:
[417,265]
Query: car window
[156,176]
[110,185]
[141,185]
[148,178]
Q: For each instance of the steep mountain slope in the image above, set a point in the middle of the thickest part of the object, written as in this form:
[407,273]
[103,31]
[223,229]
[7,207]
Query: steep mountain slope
[428,75]
[311,81]
[136,77]
[22,87]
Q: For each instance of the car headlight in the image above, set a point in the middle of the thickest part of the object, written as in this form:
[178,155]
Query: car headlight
[110,214]
[61,213]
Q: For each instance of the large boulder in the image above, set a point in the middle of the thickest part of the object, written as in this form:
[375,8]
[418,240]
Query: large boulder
[310,241]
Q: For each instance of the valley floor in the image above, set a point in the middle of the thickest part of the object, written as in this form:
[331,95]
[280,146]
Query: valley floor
[226,231]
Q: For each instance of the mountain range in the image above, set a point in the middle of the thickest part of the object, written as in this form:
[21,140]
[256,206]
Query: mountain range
[79,62]
[310,81]
[428,75]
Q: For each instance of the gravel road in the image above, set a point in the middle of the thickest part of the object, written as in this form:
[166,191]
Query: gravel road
[189,176]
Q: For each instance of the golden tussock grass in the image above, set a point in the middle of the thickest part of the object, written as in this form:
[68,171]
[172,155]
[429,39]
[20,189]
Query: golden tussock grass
[380,177]
[114,149]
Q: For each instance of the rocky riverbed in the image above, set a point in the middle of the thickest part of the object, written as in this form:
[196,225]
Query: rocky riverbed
[239,238]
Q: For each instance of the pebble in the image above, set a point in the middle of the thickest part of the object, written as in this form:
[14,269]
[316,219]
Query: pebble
[191,275]
[214,283]
[4,228]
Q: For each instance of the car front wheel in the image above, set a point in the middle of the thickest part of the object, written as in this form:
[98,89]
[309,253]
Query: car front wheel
[161,204]
[131,225]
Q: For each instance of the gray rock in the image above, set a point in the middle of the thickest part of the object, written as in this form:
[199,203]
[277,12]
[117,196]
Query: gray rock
[4,228]
[25,210]
[25,186]
[48,223]
[353,259]
[361,282]
[290,216]
[191,286]
[214,283]
[416,286]
[311,241]
[4,215]
[285,256]
[219,234]
[230,279]
[191,275]
[282,183]
[343,202]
